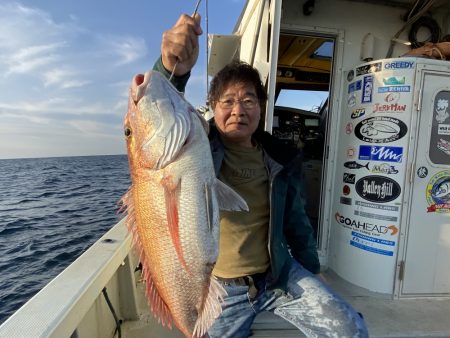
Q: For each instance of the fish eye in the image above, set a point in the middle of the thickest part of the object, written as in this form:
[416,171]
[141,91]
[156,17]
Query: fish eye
[127,132]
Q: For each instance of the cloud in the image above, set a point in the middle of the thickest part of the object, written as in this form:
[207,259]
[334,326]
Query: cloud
[128,49]
[63,78]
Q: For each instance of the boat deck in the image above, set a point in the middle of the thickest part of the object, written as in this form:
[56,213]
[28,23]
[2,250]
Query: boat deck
[404,318]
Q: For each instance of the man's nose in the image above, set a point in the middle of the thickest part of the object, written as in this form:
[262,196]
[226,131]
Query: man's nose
[238,109]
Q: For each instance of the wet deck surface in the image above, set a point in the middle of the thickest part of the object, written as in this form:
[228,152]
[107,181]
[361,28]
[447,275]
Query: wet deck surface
[406,318]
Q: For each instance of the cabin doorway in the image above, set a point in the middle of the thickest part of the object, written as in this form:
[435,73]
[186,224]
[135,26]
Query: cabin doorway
[303,86]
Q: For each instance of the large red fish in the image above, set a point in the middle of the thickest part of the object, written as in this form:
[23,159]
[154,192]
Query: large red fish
[173,204]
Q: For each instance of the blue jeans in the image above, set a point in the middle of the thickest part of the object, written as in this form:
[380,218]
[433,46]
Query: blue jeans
[308,304]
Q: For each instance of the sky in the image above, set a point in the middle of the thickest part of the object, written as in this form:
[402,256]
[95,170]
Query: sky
[65,69]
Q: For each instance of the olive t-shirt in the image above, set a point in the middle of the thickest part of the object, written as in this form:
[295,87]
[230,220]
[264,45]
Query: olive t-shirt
[243,247]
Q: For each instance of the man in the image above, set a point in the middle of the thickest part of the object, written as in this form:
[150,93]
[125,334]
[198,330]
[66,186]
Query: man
[267,257]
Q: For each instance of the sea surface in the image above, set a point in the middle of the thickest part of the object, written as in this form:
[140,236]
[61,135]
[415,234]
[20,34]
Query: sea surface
[51,211]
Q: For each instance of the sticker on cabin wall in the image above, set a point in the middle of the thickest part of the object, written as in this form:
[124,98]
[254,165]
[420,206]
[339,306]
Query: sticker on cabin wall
[392,97]
[356,165]
[349,178]
[366,69]
[380,129]
[384,207]
[380,217]
[351,152]
[389,108]
[371,244]
[441,110]
[379,189]
[394,80]
[362,226]
[444,146]
[354,86]
[422,172]
[357,113]
[399,65]
[438,192]
[394,89]
[443,129]
[349,128]
[380,153]
[350,75]
[345,200]
[346,190]
[384,168]
[368,89]
[351,101]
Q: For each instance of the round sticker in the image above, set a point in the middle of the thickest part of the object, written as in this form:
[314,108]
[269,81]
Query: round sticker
[422,172]
[438,192]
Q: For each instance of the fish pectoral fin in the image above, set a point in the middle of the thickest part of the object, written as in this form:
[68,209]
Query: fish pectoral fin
[209,206]
[229,199]
[210,309]
[171,195]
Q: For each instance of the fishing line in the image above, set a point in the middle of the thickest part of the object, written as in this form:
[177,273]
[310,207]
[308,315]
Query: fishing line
[178,60]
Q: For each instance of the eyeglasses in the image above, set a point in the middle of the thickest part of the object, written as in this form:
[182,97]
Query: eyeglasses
[246,102]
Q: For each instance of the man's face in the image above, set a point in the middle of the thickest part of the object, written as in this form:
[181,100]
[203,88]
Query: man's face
[237,113]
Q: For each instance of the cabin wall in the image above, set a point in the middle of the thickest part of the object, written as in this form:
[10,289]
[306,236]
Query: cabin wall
[356,20]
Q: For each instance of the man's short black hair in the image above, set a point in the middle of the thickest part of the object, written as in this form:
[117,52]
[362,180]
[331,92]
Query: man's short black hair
[236,72]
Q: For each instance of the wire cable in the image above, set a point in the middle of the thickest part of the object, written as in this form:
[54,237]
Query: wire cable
[111,308]
[427,22]
[413,19]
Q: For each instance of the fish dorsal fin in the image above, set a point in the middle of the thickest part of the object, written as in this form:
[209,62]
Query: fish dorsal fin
[228,199]
[211,308]
[171,195]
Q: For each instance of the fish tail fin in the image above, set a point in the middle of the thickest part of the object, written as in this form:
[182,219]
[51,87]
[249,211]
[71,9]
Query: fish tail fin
[367,166]
[228,199]
[212,307]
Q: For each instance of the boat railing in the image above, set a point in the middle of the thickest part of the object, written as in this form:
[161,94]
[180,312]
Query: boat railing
[81,300]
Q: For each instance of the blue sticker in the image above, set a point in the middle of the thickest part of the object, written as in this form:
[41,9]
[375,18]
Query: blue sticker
[373,239]
[397,89]
[368,89]
[354,86]
[371,249]
[380,153]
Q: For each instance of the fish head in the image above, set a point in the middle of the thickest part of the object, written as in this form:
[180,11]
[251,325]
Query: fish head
[157,123]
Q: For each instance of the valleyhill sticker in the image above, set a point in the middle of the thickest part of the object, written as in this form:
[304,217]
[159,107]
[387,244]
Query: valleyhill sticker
[380,129]
[378,189]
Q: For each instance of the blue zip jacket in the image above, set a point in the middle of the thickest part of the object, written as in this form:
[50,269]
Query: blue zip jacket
[290,231]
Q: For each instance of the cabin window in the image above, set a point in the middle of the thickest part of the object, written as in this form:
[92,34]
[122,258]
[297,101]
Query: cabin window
[439,150]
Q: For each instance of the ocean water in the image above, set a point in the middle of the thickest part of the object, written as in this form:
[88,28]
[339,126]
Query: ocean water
[51,211]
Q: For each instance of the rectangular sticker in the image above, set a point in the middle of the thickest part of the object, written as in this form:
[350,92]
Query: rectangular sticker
[368,89]
[354,86]
[394,89]
[380,153]
[376,216]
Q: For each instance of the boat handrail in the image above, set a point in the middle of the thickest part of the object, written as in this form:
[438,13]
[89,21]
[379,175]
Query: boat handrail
[58,308]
